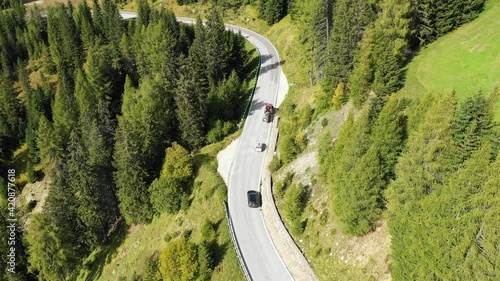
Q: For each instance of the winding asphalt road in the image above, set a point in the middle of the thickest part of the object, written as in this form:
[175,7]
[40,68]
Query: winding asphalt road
[261,258]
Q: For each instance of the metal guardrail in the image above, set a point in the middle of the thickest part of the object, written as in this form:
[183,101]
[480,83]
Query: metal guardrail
[235,243]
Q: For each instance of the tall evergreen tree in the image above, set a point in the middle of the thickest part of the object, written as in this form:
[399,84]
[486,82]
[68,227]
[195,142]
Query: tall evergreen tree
[110,23]
[49,255]
[350,21]
[11,113]
[84,25]
[216,54]
[361,77]
[392,31]
[421,170]
[474,126]
[389,134]
[190,113]
[64,41]
[138,151]
[129,176]
[64,111]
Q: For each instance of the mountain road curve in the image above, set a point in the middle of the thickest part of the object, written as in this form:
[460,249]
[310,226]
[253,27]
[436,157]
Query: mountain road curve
[261,258]
[259,253]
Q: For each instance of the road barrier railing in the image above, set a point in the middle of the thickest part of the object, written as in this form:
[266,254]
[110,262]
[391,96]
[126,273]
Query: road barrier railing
[235,243]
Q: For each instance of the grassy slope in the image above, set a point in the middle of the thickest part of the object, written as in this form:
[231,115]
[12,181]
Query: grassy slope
[466,60]
[131,247]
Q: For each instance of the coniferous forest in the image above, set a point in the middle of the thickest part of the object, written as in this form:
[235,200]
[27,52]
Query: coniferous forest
[97,100]
[428,164]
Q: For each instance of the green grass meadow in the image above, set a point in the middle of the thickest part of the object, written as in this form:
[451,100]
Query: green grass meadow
[467,60]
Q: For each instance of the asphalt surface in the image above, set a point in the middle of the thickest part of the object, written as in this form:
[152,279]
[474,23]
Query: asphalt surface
[261,258]
[260,255]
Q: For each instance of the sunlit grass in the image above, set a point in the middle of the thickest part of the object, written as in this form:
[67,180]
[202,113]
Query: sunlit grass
[466,60]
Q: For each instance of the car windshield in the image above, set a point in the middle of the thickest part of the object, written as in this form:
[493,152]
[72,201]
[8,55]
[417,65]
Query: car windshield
[252,196]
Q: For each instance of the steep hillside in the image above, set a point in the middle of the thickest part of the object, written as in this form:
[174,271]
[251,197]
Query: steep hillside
[465,60]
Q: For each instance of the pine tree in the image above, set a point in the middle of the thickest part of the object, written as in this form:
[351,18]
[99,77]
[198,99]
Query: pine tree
[362,75]
[433,19]
[358,204]
[84,25]
[236,51]
[130,175]
[216,54]
[11,114]
[45,142]
[64,42]
[389,134]
[111,27]
[392,30]
[205,262]
[143,12]
[347,172]
[64,112]
[274,11]
[85,184]
[47,255]
[33,107]
[339,98]
[348,27]
[190,109]
[421,170]
[474,126]
[33,34]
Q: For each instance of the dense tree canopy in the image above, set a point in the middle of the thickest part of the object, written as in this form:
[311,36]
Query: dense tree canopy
[98,100]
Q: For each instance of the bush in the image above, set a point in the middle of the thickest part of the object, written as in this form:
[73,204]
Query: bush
[305,115]
[207,230]
[324,146]
[298,226]
[301,142]
[275,164]
[185,202]
[31,205]
[219,131]
[165,195]
[282,186]
[150,270]
[168,237]
[205,262]
[324,122]
[178,261]
[288,149]
[294,205]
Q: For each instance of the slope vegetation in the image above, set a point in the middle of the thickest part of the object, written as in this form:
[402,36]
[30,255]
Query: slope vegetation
[465,60]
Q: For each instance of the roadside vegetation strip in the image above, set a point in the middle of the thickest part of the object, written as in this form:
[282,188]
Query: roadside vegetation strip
[295,260]
[236,247]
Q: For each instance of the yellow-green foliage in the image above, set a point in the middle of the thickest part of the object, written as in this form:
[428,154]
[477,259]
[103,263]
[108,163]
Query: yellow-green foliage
[178,261]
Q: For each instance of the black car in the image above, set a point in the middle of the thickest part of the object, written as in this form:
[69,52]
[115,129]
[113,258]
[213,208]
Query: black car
[254,199]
